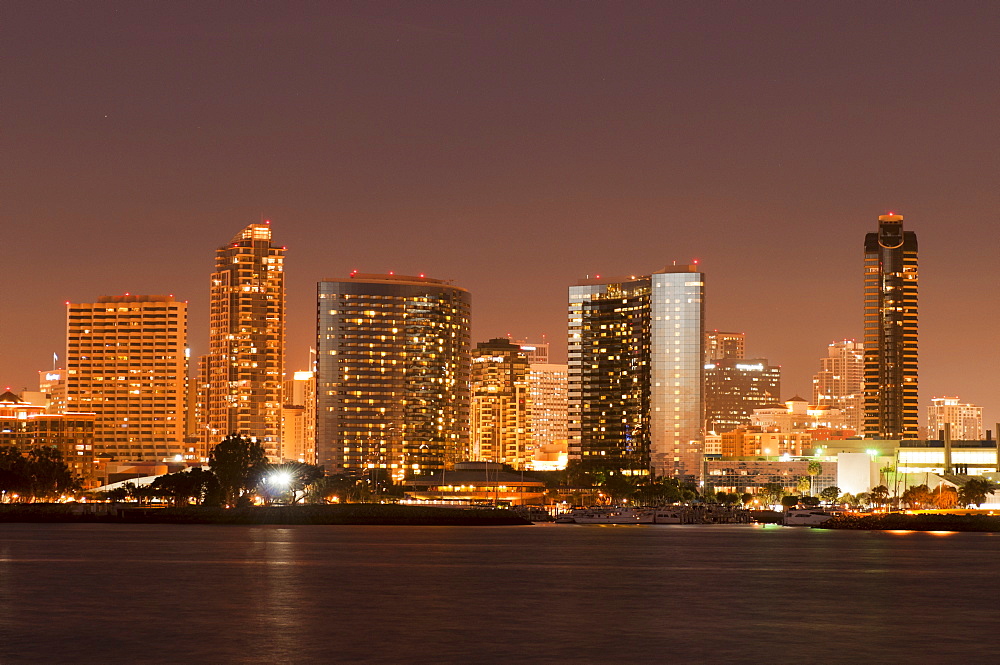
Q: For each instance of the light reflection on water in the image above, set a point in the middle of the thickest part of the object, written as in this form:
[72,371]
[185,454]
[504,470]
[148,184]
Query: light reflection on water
[548,593]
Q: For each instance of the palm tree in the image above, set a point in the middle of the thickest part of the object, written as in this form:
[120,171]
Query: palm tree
[974,491]
[814,469]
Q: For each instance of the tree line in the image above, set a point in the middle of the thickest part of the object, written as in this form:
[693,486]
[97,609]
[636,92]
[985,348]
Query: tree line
[37,474]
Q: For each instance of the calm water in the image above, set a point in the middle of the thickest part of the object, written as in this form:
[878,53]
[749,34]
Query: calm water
[548,593]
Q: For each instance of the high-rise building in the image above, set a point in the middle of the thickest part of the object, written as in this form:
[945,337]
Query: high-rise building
[500,426]
[126,361]
[241,376]
[636,350]
[891,408]
[392,374]
[722,345]
[840,382]
[298,418]
[966,419]
[548,385]
[734,388]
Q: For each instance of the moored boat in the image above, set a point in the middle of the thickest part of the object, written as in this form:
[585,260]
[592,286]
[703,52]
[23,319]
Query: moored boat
[806,517]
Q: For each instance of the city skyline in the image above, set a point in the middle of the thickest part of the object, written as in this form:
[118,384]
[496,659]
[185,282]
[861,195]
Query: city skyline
[509,181]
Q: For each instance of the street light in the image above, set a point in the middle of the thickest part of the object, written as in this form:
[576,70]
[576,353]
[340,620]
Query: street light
[281,480]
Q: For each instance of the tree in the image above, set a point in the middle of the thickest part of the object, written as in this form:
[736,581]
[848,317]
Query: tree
[916,497]
[181,487]
[879,495]
[850,499]
[975,491]
[771,493]
[814,469]
[804,484]
[789,501]
[945,496]
[830,494]
[14,477]
[237,462]
[41,473]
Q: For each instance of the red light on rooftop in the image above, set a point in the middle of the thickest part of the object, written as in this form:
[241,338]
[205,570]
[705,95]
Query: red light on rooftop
[391,272]
[598,276]
[421,275]
[694,261]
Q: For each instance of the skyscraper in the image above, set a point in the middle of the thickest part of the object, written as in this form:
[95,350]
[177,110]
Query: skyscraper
[241,376]
[500,416]
[840,382]
[734,388]
[636,349]
[392,374]
[547,390]
[890,318]
[126,362]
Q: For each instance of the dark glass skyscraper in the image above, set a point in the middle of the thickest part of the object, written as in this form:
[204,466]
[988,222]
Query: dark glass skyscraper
[392,374]
[891,408]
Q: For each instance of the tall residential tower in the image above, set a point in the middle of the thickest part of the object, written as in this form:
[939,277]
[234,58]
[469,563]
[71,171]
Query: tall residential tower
[636,351]
[126,362]
[392,384]
[891,408]
[241,376]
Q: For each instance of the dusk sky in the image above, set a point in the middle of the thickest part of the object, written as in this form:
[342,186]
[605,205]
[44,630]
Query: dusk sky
[513,147]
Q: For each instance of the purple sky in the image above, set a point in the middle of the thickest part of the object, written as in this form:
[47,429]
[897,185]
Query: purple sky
[512,147]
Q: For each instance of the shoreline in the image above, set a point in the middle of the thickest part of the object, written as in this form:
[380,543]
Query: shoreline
[346,514]
[915,522]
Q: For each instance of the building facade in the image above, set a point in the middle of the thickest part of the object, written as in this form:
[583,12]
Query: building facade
[500,417]
[26,426]
[890,320]
[734,388]
[966,419]
[392,374]
[840,382]
[636,349]
[548,385]
[241,376]
[535,352]
[126,361]
[298,418]
[723,345]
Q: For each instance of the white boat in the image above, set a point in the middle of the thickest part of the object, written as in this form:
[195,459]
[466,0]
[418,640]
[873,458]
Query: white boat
[611,515]
[668,516]
[806,517]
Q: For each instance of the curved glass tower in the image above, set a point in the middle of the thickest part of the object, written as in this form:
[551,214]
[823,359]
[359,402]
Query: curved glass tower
[392,375]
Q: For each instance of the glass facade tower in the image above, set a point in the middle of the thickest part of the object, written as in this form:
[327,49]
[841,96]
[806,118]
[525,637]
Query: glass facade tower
[891,408]
[392,374]
[636,396]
